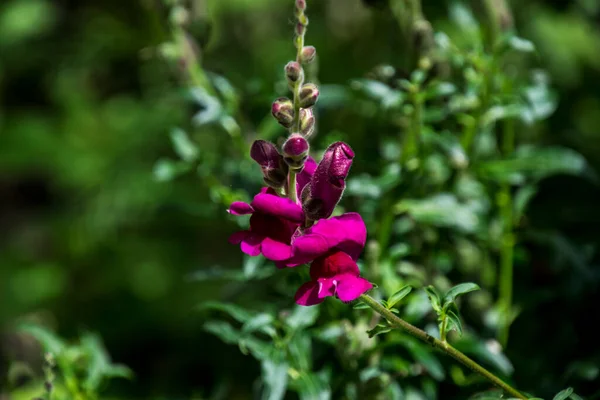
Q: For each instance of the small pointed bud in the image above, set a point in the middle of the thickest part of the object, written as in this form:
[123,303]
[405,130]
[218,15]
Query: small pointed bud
[309,93]
[283,111]
[308,54]
[271,162]
[293,72]
[295,151]
[328,182]
[307,121]
[300,29]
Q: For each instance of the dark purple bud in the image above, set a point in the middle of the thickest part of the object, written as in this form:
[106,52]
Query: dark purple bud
[308,54]
[293,72]
[273,167]
[307,121]
[283,111]
[328,182]
[300,29]
[309,93]
[295,151]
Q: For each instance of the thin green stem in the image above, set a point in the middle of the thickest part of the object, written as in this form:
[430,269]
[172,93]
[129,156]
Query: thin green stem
[507,250]
[439,345]
[443,330]
[292,186]
[411,142]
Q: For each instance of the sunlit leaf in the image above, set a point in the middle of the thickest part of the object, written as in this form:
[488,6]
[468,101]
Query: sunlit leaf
[49,341]
[454,322]
[442,210]
[398,296]
[563,394]
[302,317]
[238,313]
[183,146]
[275,378]
[434,298]
[378,330]
[459,290]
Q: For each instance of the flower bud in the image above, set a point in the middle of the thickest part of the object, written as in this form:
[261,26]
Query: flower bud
[307,121]
[295,151]
[293,72]
[283,111]
[309,93]
[273,167]
[300,29]
[308,54]
[300,5]
[328,183]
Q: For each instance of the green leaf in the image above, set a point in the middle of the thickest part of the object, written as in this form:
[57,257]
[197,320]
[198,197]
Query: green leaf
[361,306]
[434,298]
[260,322]
[534,163]
[223,330]
[275,378]
[99,363]
[238,313]
[454,322]
[165,170]
[520,44]
[378,330]
[302,317]
[183,146]
[443,210]
[398,296]
[386,96]
[563,394]
[49,341]
[459,290]
[424,356]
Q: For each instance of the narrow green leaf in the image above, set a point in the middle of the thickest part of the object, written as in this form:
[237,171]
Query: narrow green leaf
[361,306]
[459,290]
[238,313]
[398,296]
[434,298]
[260,322]
[454,322]
[378,330]
[183,146]
[301,317]
[563,394]
[275,377]
[49,341]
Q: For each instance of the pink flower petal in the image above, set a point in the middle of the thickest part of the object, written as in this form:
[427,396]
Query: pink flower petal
[237,237]
[307,295]
[240,208]
[274,250]
[305,176]
[346,232]
[350,287]
[333,264]
[278,206]
[251,244]
[327,287]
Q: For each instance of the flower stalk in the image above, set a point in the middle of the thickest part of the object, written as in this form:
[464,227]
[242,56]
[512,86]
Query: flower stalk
[443,346]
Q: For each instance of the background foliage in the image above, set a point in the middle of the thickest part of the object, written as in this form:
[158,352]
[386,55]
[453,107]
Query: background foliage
[115,176]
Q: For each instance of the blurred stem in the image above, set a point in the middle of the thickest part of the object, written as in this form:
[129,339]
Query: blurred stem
[505,204]
[411,142]
[445,347]
[195,72]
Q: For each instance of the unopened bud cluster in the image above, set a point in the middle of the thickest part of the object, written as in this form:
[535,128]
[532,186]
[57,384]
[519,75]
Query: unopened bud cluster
[297,114]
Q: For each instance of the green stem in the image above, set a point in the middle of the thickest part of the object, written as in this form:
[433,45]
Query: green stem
[439,345]
[411,142]
[292,186]
[505,204]
[443,329]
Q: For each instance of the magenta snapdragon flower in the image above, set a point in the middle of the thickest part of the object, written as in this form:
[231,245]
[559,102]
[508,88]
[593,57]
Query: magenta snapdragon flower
[273,222]
[334,244]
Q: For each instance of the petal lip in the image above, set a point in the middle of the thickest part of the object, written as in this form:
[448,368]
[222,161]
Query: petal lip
[274,250]
[278,206]
[306,175]
[307,294]
[238,236]
[251,244]
[240,208]
[350,287]
[347,233]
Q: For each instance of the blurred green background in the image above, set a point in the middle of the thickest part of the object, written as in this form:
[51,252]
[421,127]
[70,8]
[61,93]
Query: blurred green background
[93,239]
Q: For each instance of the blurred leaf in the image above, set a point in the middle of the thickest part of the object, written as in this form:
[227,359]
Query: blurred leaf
[223,330]
[49,341]
[212,109]
[238,313]
[439,89]
[166,170]
[311,386]
[398,296]
[442,210]
[521,199]
[302,317]
[260,322]
[541,102]
[361,306]
[275,378]
[386,96]
[497,113]
[378,330]
[490,353]
[459,290]
[563,394]
[183,146]
[520,44]
[424,356]
[22,19]
[536,163]
[99,364]
[300,350]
